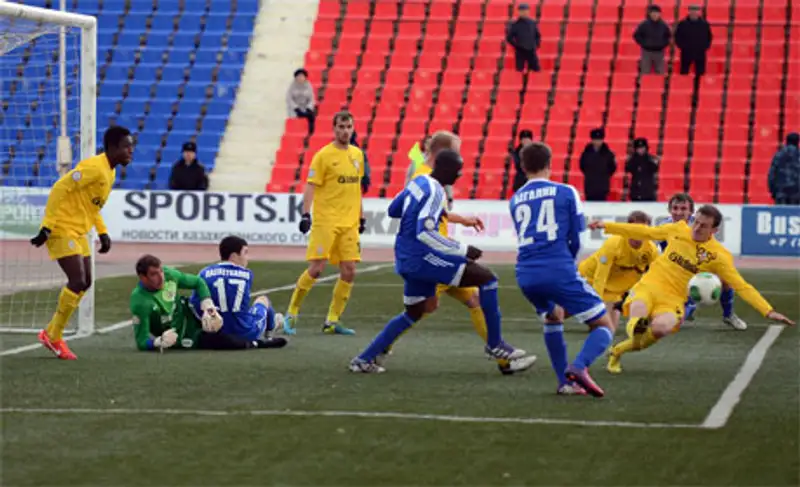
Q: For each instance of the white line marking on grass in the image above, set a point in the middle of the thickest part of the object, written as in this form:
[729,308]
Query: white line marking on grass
[344,414]
[722,410]
[123,324]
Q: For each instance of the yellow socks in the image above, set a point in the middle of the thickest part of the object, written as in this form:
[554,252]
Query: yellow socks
[478,322]
[341,294]
[68,302]
[304,284]
[636,341]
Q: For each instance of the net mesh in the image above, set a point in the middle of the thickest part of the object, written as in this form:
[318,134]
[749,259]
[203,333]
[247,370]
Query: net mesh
[30,126]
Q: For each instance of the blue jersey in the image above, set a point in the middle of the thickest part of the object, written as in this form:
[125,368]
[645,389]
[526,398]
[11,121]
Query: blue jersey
[663,244]
[230,287]
[549,220]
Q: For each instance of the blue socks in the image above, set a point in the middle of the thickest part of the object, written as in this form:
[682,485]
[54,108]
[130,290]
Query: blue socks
[387,336]
[689,308]
[726,301]
[595,345]
[556,349]
[491,312]
[270,318]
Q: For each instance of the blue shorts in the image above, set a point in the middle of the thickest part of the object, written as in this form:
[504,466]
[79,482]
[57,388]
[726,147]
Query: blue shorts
[249,325]
[545,290]
[423,275]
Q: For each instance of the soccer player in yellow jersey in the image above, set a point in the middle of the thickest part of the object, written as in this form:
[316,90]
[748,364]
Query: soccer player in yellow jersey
[332,210]
[655,304]
[619,264]
[73,208]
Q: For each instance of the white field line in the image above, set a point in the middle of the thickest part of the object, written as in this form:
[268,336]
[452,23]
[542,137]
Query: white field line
[123,324]
[722,410]
[343,414]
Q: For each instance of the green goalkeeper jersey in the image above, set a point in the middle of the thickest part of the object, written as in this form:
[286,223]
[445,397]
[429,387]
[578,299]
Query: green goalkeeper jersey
[154,312]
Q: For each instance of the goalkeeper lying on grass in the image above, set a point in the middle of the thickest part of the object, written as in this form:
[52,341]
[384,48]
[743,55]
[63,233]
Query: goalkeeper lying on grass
[163,319]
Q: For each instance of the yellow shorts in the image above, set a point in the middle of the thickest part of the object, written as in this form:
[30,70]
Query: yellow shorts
[334,244]
[657,302]
[611,296]
[65,246]
[460,294]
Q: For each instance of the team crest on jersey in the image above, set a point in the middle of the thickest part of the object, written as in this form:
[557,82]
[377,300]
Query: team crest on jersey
[603,259]
[71,244]
[704,256]
[169,292]
[76,176]
[430,224]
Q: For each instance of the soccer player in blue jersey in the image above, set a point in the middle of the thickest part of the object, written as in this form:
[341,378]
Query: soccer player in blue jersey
[681,208]
[229,282]
[549,220]
[424,259]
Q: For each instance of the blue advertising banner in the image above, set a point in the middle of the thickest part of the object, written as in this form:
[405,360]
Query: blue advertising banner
[771,230]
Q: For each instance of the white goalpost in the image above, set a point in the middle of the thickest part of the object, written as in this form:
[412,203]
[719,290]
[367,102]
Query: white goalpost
[48,81]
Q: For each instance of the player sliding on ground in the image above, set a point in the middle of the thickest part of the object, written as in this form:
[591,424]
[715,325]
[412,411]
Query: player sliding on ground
[468,296]
[73,208]
[655,305]
[549,221]
[681,208]
[332,211]
[619,264]
[163,319]
[229,283]
[425,259]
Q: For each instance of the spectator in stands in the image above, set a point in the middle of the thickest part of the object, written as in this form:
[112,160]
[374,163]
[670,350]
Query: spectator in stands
[784,173]
[523,35]
[366,179]
[693,38]
[598,165]
[525,139]
[300,99]
[643,169]
[188,174]
[653,36]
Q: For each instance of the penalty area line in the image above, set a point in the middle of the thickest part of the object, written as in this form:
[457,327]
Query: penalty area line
[126,323]
[386,415]
[722,410]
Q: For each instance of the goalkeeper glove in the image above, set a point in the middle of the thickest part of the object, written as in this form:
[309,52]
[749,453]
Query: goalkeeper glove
[105,243]
[211,320]
[41,237]
[305,223]
[362,225]
[167,339]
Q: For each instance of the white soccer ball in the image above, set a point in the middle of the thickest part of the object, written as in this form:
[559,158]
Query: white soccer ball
[705,288]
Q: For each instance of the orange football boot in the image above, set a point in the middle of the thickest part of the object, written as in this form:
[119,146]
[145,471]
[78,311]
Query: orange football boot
[59,347]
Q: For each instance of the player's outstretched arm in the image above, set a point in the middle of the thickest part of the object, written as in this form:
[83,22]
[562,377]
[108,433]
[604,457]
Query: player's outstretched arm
[467,221]
[635,231]
[395,209]
[726,270]
[211,320]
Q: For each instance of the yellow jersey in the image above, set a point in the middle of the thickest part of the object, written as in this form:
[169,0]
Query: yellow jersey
[336,175]
[616,266]
[425,170]
[75,200]
[684,257]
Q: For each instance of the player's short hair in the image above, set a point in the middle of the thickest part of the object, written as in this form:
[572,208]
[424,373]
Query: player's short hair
[114,135]
[637,216]
[441,140]
[231,245]
[681,198]
[712,212]
[342,116]
[145,263]
[536,157]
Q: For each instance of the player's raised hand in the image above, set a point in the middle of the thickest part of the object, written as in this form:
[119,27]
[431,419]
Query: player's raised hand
[597,224]
[105,243]
[774,315]
[474,253]
[305,223]
[41,237]
[167,339]
[362,225]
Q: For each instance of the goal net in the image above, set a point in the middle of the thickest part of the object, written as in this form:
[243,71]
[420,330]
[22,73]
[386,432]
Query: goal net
[47,124]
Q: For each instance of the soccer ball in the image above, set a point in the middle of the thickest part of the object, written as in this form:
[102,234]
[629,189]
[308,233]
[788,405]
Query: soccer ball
[705,288]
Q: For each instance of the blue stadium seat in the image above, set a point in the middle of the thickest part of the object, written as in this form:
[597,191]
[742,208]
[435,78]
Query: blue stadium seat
[135,22]
[184,123]
[163,170]
[190,22]
[216,23]
[206,56]
[140,167]
[215,124]
[132,183]
[152,54]
[162,22]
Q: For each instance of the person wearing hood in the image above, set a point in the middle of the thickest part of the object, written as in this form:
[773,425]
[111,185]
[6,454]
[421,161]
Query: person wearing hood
[653,36]
[598,165]
[188,174]
[300,100]
[366,180]
[643,169]
[783,180]
[693,37]
[525,139]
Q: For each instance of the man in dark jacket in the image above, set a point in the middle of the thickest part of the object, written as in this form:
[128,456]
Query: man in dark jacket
[188,174]
[523,35]
[598,165]
[693,38]
[784,173]
[525,139]
[643,169]
[653,36]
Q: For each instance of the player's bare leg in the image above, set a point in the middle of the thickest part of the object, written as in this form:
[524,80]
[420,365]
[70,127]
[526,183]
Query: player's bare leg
[341,295]
[78,281]
[603,329]
[304,284]
[729,317]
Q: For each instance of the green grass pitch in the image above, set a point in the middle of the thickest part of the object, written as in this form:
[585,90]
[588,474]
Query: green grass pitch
[441,415]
